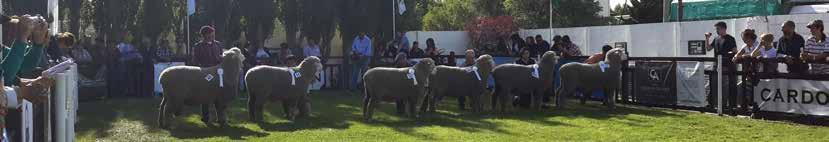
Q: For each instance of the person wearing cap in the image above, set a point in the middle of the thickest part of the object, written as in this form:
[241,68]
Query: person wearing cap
[816,49]
[724,45]
[789,46]
[206,53]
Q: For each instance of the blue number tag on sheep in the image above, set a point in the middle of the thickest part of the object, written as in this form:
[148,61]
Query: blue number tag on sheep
[535,71]
[603,65]
[411,75]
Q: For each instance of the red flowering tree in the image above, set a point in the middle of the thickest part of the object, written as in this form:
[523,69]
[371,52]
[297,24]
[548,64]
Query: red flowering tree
[484,32]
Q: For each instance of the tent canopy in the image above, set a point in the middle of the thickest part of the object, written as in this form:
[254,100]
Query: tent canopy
[719,9]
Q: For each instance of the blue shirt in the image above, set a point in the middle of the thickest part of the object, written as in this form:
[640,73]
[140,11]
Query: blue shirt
[362,46]
[404,43]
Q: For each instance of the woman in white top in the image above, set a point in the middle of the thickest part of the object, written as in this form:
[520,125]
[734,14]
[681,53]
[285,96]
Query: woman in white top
[744,54]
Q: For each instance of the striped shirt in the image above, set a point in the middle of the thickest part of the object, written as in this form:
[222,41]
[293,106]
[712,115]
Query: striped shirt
[815,47]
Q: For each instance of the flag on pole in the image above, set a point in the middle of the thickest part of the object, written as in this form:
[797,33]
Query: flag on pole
[191,7]
[401,5]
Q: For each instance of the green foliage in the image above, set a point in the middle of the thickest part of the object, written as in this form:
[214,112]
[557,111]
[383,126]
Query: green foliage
[449,15]
[337,116]
[532,14]
[646,11]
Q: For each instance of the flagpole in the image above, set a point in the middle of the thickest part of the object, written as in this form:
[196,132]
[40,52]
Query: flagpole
[393,18]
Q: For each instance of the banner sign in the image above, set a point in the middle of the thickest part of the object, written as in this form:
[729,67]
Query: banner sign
[655,83]
[158,68]
[697,47]
[793,96]
[690,84]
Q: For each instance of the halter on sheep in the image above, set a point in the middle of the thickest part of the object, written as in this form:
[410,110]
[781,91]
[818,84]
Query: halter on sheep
[408,84]
[288,84]
[459,82]
[189,85]
[533,78]
[590,77]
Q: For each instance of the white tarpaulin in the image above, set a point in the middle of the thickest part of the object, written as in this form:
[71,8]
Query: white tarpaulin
[810,9]
[793,96]
[158,68]
[690,84]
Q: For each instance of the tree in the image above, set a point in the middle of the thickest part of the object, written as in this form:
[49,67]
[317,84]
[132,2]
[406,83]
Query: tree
[156,19]
[449,15]
[259,18]
[114,17]
[490,7]
[620,14]
[646,11]
[532,14]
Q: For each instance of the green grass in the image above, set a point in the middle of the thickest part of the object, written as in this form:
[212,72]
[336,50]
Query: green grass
[337,117]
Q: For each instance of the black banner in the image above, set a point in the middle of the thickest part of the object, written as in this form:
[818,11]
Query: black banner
[655,83]
[697,47]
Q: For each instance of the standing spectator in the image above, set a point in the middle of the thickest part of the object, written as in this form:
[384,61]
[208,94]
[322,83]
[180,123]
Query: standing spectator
[598,57]
[767,53]
[524,99]
[541,45]
[744,56]
[207,52]
[312,49]
[403,42]
[817,49]
[129,62]
[789,46]
[531,45]
[568,48]
[725,46]
[516,44]
[469,61]
[360,56]
[416,52]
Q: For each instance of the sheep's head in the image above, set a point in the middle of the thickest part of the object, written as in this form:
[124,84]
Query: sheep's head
[424,69]
[310,65]
[233,58]
[485,64]
[616,56]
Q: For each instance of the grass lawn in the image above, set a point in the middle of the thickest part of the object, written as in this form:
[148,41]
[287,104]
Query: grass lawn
[337,117]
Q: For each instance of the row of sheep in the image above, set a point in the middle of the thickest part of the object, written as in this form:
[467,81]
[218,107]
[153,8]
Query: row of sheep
[424,83]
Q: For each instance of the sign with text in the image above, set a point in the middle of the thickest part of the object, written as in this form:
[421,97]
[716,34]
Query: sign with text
[696,47]
[793,96]
[655,83]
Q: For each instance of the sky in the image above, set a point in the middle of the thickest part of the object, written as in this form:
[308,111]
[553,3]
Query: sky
[613,3]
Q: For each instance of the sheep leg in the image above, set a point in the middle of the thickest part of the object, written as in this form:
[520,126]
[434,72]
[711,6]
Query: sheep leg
[412,103]
[366,101]
[205,114]
[537,97]
[161,113]
[372,104]
[401,106]
[493,98]
[505,98]
[477,106]
[252,111]
[288,108]
[424,106]
[610,97]
[221,116]
[305,107]
[584,95]
[561,95]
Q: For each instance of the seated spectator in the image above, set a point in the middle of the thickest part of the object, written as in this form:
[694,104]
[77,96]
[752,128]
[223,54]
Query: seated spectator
[432,51]
[530,44]
[391,49]
[261,55]
[501,48]
[568,48]
[284,53]
[516,44]
[291,61]
[401,61]
[416,52]
[451,61]
[312,48]
[598,57]
[163,53]
[525,58]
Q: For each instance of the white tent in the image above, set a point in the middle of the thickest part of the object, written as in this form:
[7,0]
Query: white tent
[810,9]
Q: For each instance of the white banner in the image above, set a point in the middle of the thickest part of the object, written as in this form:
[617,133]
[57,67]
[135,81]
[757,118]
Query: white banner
[793,96]
[690,84]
